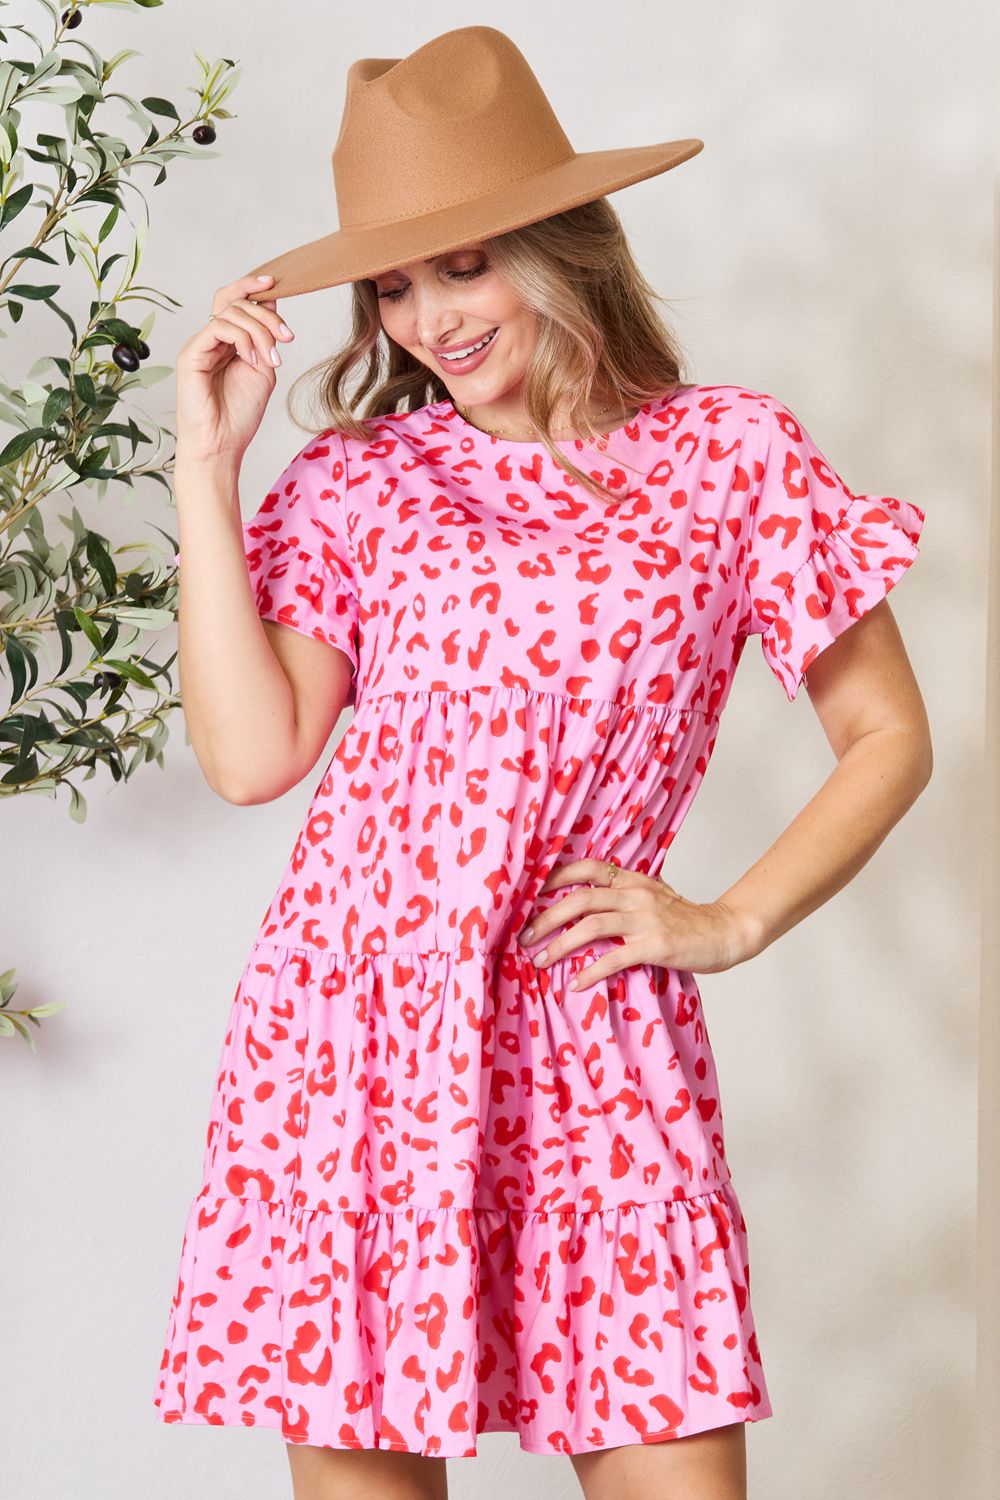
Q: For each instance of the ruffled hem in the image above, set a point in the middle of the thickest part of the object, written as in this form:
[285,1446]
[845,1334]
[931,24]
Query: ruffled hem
[419,1328]
[615,1437]
[845,575]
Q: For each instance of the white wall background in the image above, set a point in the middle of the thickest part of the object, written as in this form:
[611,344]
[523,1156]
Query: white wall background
[833,245]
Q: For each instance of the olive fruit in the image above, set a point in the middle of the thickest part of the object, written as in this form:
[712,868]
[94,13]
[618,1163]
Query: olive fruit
[125,357]
[204,135]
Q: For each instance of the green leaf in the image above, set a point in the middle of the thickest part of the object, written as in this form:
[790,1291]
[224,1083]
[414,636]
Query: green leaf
[130,670]
[64,623]
[32,732]
[38,725]
[20,444]
[77,804]
[119,429]
[101,561]
[160,107]
[148,375]
[92,466]
[58,401]
[105,266]
[89,629]
[31,293]
[115,62]
[119,330]
[108,224]
[86,390]
[145,618]
[32,252]
[45,67]
[20,1026]
[99,195]
[20,664]
[14,205]
[25,770]
[54,306]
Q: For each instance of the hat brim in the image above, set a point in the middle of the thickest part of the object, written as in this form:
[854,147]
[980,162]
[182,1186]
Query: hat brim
[351,254]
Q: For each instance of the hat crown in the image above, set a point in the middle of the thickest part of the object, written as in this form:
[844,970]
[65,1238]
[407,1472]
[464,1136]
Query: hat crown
[459,118]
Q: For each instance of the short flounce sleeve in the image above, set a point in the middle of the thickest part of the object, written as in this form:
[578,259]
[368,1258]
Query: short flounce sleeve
[818,556]
[298,550]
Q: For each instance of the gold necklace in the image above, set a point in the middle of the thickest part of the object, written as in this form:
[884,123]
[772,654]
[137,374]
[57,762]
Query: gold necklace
[508,432]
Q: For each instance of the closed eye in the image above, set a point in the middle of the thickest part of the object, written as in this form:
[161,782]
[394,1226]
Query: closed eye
[394,296]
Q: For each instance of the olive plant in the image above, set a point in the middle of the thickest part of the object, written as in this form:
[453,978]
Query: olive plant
[84,645]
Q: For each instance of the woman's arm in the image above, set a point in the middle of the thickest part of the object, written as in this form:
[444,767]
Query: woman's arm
[867,699]
[260,699]
[865,694]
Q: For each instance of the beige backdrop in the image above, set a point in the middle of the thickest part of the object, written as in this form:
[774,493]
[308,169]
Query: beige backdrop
[832,245]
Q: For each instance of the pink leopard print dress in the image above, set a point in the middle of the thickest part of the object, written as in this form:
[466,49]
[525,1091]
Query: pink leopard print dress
[443,1194]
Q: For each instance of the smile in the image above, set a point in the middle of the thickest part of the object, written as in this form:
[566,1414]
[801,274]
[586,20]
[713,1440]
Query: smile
[470,350]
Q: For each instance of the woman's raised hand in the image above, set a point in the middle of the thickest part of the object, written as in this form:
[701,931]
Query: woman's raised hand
[226,372]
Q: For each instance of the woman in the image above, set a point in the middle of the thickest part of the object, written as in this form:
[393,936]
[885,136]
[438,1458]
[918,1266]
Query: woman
[465,1169]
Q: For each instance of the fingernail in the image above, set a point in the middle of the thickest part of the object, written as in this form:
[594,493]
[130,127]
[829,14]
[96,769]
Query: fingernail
[540,958]
[286,330]
[253,357]
[268,277]
[526,935]
[275,357]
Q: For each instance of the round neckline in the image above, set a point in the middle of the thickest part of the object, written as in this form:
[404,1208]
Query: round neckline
[536,442]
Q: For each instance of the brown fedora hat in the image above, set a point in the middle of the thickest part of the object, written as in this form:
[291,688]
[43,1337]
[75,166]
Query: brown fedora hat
[452,144]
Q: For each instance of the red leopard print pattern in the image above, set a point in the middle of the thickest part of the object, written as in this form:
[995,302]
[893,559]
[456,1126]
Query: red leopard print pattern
[443,1194]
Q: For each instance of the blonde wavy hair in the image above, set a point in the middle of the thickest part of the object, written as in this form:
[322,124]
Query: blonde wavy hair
[600,337]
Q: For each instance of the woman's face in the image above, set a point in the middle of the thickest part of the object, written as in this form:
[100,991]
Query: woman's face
[443,305]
